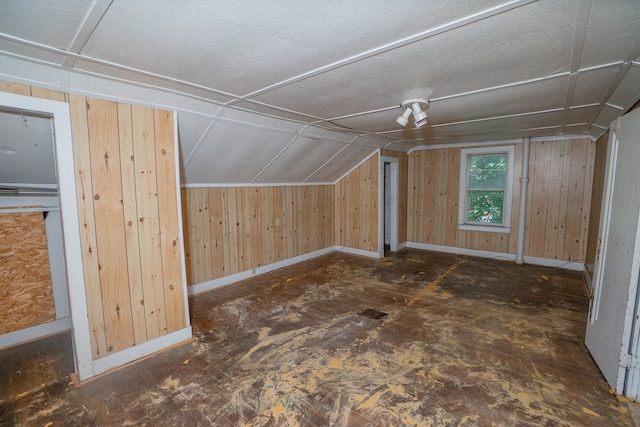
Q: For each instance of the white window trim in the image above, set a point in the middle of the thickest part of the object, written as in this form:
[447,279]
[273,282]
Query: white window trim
[505,227]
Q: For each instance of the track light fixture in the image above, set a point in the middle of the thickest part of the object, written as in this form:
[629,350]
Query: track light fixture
[417,107]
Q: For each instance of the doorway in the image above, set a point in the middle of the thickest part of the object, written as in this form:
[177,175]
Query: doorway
[39,181]
[388,202]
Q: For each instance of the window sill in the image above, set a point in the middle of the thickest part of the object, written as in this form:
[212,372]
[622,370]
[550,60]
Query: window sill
[489,228]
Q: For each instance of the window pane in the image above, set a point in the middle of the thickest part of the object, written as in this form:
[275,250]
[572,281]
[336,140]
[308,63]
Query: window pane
[487,171]
[485,206]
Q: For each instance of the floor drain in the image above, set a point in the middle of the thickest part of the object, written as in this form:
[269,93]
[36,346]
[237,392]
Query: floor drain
[373,313]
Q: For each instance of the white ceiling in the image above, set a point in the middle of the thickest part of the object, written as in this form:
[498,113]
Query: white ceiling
[299,92]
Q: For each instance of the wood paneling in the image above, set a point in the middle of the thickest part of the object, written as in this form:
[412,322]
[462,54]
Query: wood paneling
[124,157]
[558,201]
[357,207]
[235,229]
[26,293]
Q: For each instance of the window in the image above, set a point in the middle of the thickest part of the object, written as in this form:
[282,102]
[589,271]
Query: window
[486,176]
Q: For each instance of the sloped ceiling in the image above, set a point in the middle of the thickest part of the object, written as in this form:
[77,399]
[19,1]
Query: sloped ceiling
[300,92]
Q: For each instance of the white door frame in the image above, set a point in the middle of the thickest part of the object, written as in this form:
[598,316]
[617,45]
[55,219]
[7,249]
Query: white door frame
[394,161]
[65,170]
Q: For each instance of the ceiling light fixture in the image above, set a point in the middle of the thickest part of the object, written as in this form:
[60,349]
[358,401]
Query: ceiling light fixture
[417,107]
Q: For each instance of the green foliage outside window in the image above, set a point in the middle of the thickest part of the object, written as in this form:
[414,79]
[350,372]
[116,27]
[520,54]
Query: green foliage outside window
[486,187]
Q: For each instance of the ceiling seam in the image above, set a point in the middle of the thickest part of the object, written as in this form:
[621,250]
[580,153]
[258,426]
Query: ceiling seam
[277,155]
[82,57]
[88,26]
[201,140]
[391,46]
[325,163]
[579,36]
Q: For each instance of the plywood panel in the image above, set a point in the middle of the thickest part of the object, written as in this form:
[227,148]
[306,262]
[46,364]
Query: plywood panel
[109,220]
[26,294]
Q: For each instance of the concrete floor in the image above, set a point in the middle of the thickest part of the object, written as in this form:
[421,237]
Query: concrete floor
[465,342]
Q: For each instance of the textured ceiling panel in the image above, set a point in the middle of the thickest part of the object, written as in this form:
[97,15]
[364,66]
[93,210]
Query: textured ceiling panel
[26,150]
[531,43]
[324,74]
[612,32]
[299,161]
[606,116]
[527,98]
[143,79]
[591,85]
[233,154]
[582,115]
[628,90]
[261,121]
[40,21]
[343,163]
[190,130]
[249,38]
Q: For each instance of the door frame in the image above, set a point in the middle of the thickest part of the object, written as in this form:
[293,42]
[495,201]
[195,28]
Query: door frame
[65,170]
[394,177]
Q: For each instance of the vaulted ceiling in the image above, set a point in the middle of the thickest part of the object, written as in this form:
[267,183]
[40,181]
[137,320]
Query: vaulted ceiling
[299,92]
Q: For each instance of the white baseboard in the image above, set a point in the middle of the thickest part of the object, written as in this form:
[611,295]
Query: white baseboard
[236,277]
[401,246]
[567,265]
[35,332]
[232,278]
[136,352]
[360,252]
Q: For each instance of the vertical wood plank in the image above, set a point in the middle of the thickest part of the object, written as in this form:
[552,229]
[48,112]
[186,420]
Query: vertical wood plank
[552,224]
[453,189]
[131,222]
[48,94]
[577,167]
[168,190]
[15,88]
[257,238]
[278,224]
[187,221]
[216,232]
[148,227]
[234,237]
[564,198]
[540,196]
[245,193]
[109,218]
[84,188]
[229,258]
[586,197]
[205,224]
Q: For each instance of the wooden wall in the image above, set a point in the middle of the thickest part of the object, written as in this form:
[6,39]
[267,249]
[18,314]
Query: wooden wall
[558,199]
[234,229]
[127,203]
[26,292]
[596,202]
[403,185]
[357,207]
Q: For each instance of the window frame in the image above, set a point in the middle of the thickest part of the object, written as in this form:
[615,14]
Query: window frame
[465,153]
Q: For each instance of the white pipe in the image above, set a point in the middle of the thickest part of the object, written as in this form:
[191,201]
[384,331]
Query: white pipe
[524,183]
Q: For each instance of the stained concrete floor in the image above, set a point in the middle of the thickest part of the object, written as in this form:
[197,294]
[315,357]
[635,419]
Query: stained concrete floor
[465,342]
